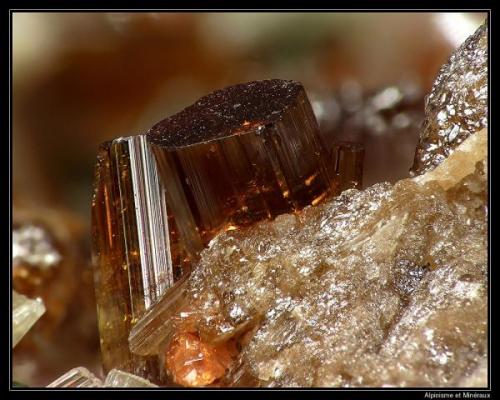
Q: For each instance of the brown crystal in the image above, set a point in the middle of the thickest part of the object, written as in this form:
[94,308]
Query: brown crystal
[124,285]
[237,156]
[245,153]
[381,287]
[458,103]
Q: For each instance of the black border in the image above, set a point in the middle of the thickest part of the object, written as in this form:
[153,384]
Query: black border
[197,6]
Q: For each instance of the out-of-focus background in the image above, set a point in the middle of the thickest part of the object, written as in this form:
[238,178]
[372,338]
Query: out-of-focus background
[82,78]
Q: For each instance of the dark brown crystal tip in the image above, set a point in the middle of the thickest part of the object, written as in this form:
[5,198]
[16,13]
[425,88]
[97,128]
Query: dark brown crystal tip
[232,110]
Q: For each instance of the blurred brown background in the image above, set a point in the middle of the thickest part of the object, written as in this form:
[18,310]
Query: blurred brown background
[82,78]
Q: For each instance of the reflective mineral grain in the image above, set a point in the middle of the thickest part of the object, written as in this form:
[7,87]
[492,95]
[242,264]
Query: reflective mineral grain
[458,103]
[381,287]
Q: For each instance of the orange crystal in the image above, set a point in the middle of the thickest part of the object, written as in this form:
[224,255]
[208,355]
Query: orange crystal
[195,363]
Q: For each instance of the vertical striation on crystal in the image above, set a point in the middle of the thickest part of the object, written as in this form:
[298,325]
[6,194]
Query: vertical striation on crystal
[458,103]
[79,377]
[239,155]
[117,378]
[242,154]
[131,244]
[25,312]
[348,158]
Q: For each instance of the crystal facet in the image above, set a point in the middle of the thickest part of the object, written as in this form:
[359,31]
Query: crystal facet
[25,312]
[242,154]
[132,264]
[385,286]
[79,377]
[458,103]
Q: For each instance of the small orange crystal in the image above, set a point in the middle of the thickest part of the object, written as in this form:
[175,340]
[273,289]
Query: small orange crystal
[195,363]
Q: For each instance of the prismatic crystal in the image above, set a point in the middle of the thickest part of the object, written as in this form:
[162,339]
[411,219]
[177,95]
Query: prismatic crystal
[25,313]
[237,156]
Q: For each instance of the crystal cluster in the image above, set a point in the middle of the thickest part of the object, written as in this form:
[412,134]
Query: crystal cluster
[458,103]
[237,156]
[381,287]
[25,312]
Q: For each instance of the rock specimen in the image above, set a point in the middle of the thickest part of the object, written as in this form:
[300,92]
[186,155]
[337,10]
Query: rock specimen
[458,103]
[381,287]
[25,312]
[237,156]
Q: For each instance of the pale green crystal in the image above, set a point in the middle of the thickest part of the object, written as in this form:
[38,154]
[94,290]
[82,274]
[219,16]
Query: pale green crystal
[117,378]
[25,312]
[79,377]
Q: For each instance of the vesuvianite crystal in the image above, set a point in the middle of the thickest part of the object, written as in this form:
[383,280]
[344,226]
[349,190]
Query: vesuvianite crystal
[245,153]
[458,103]
[237,156]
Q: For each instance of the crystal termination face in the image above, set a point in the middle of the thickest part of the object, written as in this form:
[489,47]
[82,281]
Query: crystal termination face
[458,103]
[242,154]
[230,111]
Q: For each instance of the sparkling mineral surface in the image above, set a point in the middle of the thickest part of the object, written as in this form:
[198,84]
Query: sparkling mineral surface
[458,103]
[381,287]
